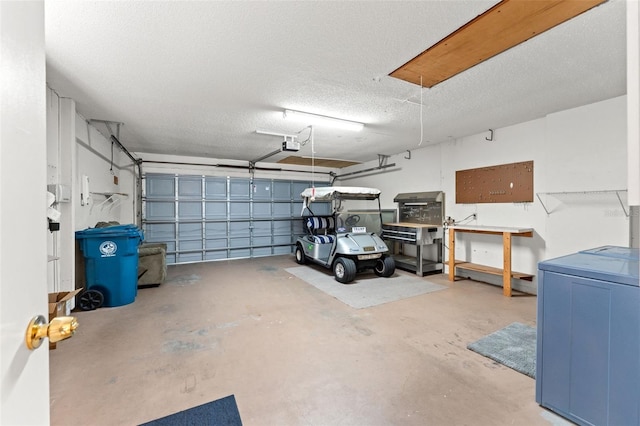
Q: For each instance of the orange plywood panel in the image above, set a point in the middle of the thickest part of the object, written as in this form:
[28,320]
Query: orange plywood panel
[505,25]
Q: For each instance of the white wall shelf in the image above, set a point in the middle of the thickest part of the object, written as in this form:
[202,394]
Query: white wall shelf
[565,195]
[110,198]
[110,194]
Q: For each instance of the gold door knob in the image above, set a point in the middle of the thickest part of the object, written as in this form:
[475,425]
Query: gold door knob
[59,328]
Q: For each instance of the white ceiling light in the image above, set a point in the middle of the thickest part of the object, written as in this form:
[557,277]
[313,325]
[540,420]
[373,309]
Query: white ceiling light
[322,120]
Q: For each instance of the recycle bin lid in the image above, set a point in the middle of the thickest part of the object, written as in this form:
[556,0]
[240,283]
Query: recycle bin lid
[615,251]
[111,231]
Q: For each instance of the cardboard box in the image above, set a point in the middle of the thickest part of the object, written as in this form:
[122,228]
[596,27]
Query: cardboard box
[58,306]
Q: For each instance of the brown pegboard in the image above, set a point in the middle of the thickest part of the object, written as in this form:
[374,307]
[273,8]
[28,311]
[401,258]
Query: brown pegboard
[504,183]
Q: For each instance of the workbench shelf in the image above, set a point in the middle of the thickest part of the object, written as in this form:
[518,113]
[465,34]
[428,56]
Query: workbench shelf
[460,264]
[506,272]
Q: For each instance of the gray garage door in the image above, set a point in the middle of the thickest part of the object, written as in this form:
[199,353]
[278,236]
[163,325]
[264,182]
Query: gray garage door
[211,218]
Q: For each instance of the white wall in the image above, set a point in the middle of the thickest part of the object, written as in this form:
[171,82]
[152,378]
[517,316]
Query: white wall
[582,149]
[633,99]
[60,163]
[633,116]
[75,148]
[93,151]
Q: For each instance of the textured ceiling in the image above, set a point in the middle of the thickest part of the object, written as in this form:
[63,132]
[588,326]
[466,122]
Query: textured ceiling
[199,78]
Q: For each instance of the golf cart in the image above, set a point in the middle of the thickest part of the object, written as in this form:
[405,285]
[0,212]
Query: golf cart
[345,241]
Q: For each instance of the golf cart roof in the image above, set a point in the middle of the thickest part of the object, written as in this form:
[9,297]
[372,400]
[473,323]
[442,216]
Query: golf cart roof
[329,193]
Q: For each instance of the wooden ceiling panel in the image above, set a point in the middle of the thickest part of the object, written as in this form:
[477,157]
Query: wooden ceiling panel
[505,25]
[318,162]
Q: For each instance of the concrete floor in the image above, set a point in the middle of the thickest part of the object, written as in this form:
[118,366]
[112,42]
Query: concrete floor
[291,354]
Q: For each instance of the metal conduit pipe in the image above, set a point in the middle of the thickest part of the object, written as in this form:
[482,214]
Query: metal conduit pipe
[232,166]
[137,163]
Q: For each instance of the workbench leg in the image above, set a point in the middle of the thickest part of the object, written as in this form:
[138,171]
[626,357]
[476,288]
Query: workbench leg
[452,254]
[506,267]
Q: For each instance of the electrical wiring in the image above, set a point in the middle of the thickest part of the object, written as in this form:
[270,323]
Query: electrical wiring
[447,224]
[472,216]
[421,119]
[304,142]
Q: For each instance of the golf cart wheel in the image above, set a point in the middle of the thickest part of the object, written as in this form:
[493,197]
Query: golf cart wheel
[91,300]
[344,270]
[385,267]
[300,259]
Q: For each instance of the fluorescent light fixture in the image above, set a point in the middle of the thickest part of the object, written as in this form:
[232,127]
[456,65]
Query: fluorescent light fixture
[322,120]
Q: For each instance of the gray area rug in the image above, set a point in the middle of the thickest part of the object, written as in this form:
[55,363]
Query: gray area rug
[513,346]
[367,289]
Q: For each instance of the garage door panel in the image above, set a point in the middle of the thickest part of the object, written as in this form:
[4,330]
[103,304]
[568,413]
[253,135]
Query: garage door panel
[261,210]
[189,231]
[216,230]
[189,257]
[239,229]
[260,241]
[239,189]
[282,227]
[213,218]
[161,210]
[262,228]
[159,232]
[240,242]
[215,210]
[216,255]
[189,187]
[161,186]
[297,188]
[239,210]
[215,244]
[281,190]
[261,189]
[282,250]
[216,188]
[187,245]
[282,209]
[261,252]
[282,239]
[239,253]
[189,210]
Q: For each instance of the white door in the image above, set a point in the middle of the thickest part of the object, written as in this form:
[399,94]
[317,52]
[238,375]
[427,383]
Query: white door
[24,374]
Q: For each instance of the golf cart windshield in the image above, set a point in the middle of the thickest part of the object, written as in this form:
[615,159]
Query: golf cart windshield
[351,214]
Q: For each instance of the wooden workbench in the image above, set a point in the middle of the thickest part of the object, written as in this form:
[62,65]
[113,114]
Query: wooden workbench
[506,272]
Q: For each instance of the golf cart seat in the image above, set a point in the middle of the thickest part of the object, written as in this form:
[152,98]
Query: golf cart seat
[321,229]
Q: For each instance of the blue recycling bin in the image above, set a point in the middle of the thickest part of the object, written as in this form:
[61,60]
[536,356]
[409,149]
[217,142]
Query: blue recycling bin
[111,265]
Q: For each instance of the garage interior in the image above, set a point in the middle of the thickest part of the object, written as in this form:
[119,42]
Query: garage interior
[291,354]
[189,120]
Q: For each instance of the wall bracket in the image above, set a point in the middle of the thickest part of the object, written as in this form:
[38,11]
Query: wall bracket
[382,159]
[108,124]
[617,193]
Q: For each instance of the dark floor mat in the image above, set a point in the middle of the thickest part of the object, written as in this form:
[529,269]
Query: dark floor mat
[223,411]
